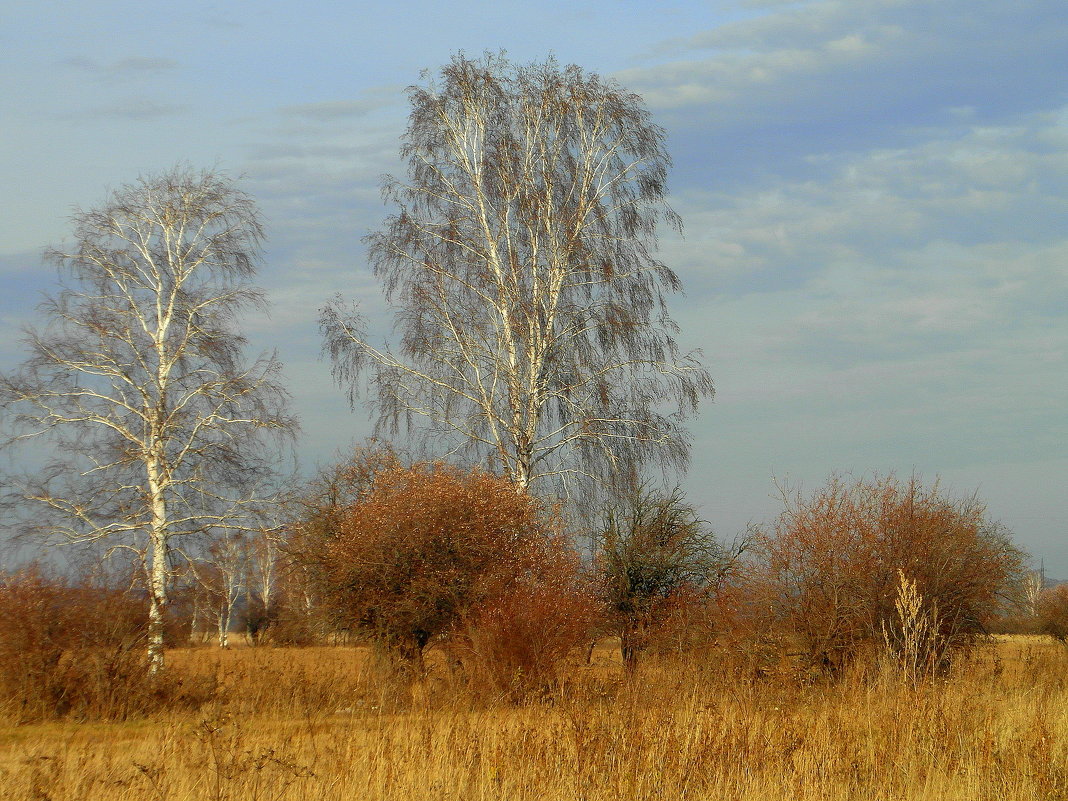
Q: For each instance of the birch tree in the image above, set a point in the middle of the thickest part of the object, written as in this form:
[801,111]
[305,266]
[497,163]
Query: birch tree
[159,426]
[222,577]
[534,331]
[264,553]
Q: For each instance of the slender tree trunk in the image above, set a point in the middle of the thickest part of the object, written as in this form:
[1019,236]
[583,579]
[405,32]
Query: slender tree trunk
[157,579]
[524,457]
[251,631]
[194,623]
[410,650]
[631,642]
[224,628]
[265,591]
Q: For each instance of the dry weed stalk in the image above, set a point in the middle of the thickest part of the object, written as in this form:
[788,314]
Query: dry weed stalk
[914,640]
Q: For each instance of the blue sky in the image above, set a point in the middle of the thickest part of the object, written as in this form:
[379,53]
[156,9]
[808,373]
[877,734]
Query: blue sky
[874,192]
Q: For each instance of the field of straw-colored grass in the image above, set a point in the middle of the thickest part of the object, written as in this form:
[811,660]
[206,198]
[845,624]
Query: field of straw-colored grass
[316,723]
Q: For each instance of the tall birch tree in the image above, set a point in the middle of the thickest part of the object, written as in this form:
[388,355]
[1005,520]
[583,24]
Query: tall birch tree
[534,331]
[158,425]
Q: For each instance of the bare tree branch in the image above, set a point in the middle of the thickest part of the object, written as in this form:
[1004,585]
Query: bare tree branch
[534,328]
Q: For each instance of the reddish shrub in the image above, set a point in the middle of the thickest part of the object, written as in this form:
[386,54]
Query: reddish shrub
[308,608]
[75,650]
[1052,612]
[830,571]
[513,642]
[424,547]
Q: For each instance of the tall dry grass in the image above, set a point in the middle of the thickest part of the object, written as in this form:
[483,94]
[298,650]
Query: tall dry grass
[323,724]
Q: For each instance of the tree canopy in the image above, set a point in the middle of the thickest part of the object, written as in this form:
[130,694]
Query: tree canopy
[534,331]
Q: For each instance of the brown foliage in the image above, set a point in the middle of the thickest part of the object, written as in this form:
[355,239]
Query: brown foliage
[76,649]
[424,547]
[305,603]
[1052,612]
[320,508]
[828,571]
[512,644]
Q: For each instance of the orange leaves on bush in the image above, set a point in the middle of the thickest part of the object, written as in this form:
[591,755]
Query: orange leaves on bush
[829,569]
[75,649]
[513,642]
[1052,612]
[427,545]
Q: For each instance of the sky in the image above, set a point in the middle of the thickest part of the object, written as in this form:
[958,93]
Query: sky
[874,195]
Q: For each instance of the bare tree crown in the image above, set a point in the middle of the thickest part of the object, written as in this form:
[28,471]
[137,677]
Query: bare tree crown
[138,379]
[534,328]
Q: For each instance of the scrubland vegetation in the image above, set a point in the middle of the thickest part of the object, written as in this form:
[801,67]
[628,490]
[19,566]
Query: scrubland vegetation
[537,674]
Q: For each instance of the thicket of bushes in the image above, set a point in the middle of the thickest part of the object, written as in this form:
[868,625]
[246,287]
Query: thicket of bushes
[77,648]
[870,563]
[416,556]
[431,556]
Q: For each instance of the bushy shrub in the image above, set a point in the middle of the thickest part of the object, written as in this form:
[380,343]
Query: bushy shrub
[77,649]
[658,567]
[830,572]
[688,622]
[427,545]
[1052,612]
[306,605]
[513,643]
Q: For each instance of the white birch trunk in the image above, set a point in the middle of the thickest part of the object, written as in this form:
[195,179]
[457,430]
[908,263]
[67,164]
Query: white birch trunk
[224,627]
[157,578]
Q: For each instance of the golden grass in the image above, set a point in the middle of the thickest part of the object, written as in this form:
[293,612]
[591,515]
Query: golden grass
[314,724]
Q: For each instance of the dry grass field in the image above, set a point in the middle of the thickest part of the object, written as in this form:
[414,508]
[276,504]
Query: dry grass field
[318,723]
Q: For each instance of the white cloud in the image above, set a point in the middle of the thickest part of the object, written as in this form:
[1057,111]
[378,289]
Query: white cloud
[758,98]
[898,308]
[124,69]
[140,109]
